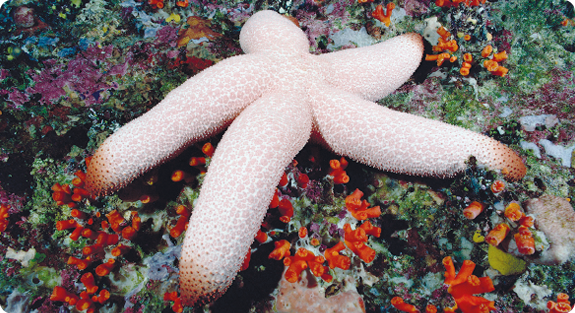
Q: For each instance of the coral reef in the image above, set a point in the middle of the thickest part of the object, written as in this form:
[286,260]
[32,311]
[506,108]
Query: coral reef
[73,72]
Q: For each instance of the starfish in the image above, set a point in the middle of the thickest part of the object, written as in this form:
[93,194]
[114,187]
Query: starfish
[272,100]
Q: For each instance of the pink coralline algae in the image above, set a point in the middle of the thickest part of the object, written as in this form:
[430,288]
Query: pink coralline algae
[16,97]
[81,75]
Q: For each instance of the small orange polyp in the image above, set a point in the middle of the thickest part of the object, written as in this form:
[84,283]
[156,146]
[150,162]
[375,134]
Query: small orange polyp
[82,264]
[501,56]
[286,210]
[102,297]
[500,71]
[302,232]
[464,285]
[370,229]
[105,268]
[525,241]
[115,220]
[385,18]
[486,51]
[89,282]
[473,210]
[121,249]
[208,149]
[281,250]
[337,170]
[355,240]
[197,161]
[497,234]
[358,208]
[62,295]
[399,304]
[335,259]
[78,214]
[180,227]
[513,212]
[444,33]
[67,224]
[129,233]
[302,180]
[497,186]
[261,237]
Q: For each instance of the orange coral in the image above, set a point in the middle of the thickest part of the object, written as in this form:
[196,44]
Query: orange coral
[440,58]
[62,295]
[246,262]
[385,18]
[182,223]
[82,264]
[281,250]
[183,4]
[443,32]
[102,297]
[500,71]
[497,234]
[561,306]
[358,208]
[498,57]
[62,194]
[173,296]
[473,210]
[355,240]
[463,286]
[444,45]
[513,212]
[4,217]
[399,304]
[525,241]
[67,224]
[283,180]
[275,200]
[302,232]
[337,170]
[105,268]
[302,180]
[199,28]
[89,282]
[156,4]
[286,210]
[120,250]
[297,263]
[208,149]
[115,220]
[486,51]
[464,70]
[261,237]
[497,186]
[335,259]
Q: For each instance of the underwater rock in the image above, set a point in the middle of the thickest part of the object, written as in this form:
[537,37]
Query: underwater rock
[555,217]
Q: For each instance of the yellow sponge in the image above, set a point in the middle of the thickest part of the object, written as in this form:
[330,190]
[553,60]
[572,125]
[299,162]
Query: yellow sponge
[504,262]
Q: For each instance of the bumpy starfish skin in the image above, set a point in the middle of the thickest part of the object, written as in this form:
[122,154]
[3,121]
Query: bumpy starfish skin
[274,97]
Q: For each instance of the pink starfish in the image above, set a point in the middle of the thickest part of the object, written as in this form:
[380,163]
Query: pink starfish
[276,96]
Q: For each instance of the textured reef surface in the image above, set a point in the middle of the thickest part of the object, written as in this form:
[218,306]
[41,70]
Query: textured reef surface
[74,71]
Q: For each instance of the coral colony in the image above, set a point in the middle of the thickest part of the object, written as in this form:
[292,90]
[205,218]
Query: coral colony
[387,209]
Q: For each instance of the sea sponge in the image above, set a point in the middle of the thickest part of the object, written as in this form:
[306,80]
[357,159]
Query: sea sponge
[555,217]
[305,296]
[505,263]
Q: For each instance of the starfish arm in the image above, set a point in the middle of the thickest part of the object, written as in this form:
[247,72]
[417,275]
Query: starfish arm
[202,106]
[375,71]
[404,143]
[236,192]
